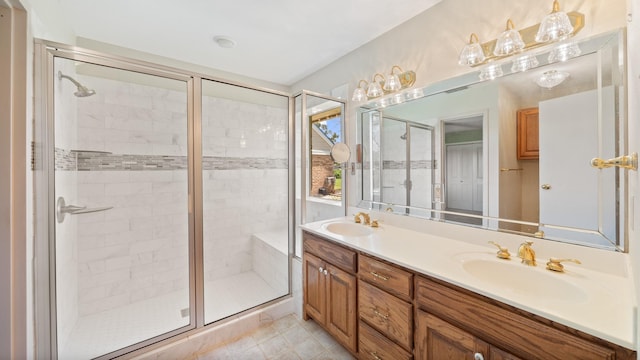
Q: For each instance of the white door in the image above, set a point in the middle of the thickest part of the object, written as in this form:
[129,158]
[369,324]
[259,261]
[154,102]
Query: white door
[569,185]
[464,176]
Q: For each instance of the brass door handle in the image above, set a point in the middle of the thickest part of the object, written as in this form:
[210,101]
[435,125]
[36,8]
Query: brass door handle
[545,186]
[624,161]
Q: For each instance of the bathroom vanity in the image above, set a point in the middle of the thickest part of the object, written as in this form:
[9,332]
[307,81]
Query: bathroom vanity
[395,293]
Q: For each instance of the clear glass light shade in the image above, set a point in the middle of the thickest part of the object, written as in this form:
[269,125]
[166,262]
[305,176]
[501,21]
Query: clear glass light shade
[491,72]
[374,89]
[509,42]
[552,78]
[414,94]
[359,94]
[564,52]
[398,99]
[555,26]
[392,83]
[524,63]
[471,54]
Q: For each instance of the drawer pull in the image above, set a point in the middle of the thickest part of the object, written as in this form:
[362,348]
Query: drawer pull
[378,276]
[381,315]
[478,356]
[375,355]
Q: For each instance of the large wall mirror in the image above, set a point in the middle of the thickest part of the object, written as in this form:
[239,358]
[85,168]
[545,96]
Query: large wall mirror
[510,154]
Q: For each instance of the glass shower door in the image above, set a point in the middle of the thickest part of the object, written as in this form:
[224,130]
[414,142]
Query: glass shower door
[122,228]
[245,201]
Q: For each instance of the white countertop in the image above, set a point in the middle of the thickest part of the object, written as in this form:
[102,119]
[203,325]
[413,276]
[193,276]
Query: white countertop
[601,301]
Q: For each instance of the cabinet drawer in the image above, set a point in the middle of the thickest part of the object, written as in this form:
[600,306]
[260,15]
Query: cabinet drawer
[374,346]
[385,276]
[386,313]
[332,253]
[512,331]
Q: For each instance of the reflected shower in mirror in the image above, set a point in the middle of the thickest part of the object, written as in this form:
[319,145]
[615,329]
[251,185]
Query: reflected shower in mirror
[512,154]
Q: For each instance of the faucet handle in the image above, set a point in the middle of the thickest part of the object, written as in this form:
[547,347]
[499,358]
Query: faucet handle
[555,264]
[374,223]
[356,218]
[503,252]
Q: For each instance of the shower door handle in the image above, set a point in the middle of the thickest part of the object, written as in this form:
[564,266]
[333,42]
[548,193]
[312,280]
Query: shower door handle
[62,209]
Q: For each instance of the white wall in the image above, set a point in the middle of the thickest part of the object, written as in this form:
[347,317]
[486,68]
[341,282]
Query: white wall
[633,43]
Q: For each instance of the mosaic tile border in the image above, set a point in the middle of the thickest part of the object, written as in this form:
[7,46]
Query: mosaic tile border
[71,160]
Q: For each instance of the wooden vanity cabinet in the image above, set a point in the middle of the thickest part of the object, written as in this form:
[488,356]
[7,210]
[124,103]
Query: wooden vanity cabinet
[381,311]
[457,321]
[528,134]
[385,306]
[330,288]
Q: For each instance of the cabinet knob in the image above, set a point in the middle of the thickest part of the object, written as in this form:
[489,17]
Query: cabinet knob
[375,355]
[478,356]
[545,186]
[325,272]
[320,269]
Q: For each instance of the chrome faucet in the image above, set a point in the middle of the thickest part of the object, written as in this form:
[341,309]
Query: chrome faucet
[526,253]
[365,216]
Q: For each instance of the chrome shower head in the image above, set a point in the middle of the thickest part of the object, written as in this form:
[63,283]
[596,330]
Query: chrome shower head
[83,91]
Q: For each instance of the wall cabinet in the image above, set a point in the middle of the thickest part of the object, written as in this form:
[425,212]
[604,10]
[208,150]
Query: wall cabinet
[528,134]
[329,290]
[379,310]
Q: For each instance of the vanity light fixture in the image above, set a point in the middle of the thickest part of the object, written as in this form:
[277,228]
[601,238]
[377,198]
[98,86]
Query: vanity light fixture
[554,27]
[552,78]
[397,80]
[509,41]
[472,53]
[392,82]
[524,63]
[374,89]
[359,94]
[490,72]
[564,52]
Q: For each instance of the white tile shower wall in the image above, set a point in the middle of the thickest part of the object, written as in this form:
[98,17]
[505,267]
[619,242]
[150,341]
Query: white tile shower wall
[65,104]
[246,200]
[128,118]
[138,249]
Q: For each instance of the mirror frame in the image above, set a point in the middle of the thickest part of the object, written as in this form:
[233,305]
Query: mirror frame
[589,45]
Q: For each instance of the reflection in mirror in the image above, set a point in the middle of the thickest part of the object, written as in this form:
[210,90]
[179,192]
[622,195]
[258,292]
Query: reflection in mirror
[512,154]
[340,153]
[325,173]
[462,176]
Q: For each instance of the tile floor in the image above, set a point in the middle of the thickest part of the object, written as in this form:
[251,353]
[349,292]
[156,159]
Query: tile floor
[286,338]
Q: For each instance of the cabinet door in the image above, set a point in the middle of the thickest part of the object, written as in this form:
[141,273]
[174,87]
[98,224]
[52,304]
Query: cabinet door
[341,312]
[315,300]
[528,134]
[497,354]
[439,340]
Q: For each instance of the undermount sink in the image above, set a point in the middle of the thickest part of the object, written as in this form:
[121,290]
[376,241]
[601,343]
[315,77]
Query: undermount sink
[523,280]
[348,229]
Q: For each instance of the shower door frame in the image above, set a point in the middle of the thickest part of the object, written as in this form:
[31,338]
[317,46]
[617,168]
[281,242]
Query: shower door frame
[408,125]
[44,183]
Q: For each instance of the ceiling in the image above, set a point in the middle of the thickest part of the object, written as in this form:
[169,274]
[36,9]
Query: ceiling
[281,41]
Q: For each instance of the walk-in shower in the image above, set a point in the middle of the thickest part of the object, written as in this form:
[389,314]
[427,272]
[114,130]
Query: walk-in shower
[168,201]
